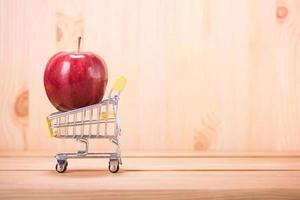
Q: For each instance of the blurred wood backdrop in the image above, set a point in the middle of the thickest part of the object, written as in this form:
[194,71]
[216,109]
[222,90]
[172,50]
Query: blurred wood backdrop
[203,75]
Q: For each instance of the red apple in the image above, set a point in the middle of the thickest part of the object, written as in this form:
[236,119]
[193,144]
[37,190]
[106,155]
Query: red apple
[74,80]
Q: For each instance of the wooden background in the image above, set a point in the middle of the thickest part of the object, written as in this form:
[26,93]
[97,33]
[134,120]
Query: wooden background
[203,75]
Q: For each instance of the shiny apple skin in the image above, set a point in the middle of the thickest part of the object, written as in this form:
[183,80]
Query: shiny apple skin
[74,80]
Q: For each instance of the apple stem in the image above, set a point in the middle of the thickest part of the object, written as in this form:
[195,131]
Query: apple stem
[79,40]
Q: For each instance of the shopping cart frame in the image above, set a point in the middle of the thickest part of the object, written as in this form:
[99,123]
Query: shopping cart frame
[109,116]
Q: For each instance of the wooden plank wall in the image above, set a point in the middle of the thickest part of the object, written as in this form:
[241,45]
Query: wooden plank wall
[203,75]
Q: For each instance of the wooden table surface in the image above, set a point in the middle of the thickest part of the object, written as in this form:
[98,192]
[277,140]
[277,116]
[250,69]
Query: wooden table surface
[152,177]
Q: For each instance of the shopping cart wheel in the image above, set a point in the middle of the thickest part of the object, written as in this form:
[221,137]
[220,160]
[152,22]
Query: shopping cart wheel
[113,166]
[61,166]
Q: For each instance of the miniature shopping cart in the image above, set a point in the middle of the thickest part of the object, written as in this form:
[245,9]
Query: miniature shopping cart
[98,121]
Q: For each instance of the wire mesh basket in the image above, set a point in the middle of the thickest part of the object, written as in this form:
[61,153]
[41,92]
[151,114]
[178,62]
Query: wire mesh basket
[98,121]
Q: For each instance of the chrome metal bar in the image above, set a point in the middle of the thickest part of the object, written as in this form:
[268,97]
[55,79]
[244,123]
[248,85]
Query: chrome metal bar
[115,108]
[61,114]
[74,121]
[82,122]
[67,121]
[88,155]
[106,118]
[99,117]
[90,127]
[86,136]
[59,131]
[86,147]
[111,120]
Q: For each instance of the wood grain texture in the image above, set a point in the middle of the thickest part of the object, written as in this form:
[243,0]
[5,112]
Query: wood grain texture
[156,163]
[207,76]
[151,178]
[14,66]
[246,194]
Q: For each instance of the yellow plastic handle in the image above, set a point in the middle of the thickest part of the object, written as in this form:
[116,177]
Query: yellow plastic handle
[105,115]
[119,84]
[48,123]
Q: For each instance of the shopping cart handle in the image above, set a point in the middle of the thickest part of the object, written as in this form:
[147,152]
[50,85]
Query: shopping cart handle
[119,84]
[48,124]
